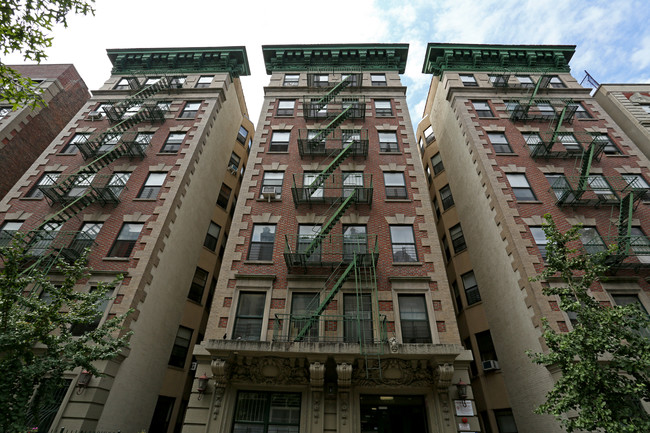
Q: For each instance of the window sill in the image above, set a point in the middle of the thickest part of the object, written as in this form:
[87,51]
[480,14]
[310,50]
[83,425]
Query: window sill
[487,117]
[145,199]
[211,251]
[277,151]
[396,152]
[530,202]
[616,155]
[284,115]
[166,153]
[173,367]
[258,262]
[398,200]
[506,153]
[67,154]
[32,198]
[261,199]
[407,263]
[116,259]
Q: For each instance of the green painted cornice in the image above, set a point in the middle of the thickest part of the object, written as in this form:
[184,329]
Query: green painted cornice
[514,58]
[180,60]
[343,57]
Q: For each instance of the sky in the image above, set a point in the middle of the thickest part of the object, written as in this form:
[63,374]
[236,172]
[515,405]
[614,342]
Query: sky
[612,36]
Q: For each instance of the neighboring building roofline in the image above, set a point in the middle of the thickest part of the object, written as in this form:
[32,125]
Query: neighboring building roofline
[339,57]
[170,60]
[442,57]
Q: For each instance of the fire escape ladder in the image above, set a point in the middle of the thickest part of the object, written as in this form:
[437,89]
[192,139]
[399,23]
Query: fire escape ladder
[331,292]
[329,225]
[625,224]
[347,111]
[323,175]
[329,96]
[584,172]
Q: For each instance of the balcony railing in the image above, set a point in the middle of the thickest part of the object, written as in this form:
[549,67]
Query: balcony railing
[632,251]
[551,144]
[332,250]
[594,190]
[70,244]
[131,144]
[311,109]
[334,188]
[355,328]
[332,143]
[102,188]
[542,110]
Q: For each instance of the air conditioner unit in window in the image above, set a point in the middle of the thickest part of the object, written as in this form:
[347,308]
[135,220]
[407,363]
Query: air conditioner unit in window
[95,115]
[232,169]
[268,192]
[490,365]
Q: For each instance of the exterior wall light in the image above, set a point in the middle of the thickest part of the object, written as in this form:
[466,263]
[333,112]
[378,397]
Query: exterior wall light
[83,380]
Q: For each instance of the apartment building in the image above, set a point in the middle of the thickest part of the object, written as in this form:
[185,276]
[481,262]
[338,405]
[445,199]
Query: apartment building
[146,175]
[332,311]
[508,135]
[26,132]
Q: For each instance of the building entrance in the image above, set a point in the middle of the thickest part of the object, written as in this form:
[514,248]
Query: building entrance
[393,414]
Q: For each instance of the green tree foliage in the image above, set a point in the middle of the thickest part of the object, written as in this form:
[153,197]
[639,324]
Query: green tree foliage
[25,27]
[605,359]
[36,343]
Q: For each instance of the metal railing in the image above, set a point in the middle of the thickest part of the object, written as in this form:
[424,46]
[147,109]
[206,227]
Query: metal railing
[332,143]
[333,249]
[332,189]
[355,328]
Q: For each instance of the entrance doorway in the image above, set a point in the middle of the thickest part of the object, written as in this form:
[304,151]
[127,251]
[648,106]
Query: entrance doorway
[393,414]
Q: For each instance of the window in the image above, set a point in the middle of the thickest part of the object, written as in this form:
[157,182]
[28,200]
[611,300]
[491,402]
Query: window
[212,236]
[262,241]
[505,421]
[388,142]
[445,247]
[457,301]
[173,142]
[163,106]
[4,111]
[190,110]
[632,299]
[485,346]
[224,196]
[591,240]
[48,178]
[355,241]
[378,79]
[540,240]
[272,184]
[279,141]
[546,110]
[302,307]
[556,83]
[499,142]
[143,139]
[126,240]
[285,107]
[204,81]
[533,141]
[403,243]
[436,163]
[162,414]
[315,191]
[198,285]
[357,325]
[468,80]
[457,238]
[471,288]
[242,134]
[250,313]
[233,164]
[581,112]
[249,145]
[7,232]
[291,79]
[260,412]
[560,186]
[436,207]
[395,185]
[152,185]
[520,187]
[352,181]
[414,319]
[151,81]
[79,329]
[429,135]
[383,108]
[177,82]
[446,197]
[132,111]
[117,183]
[635,182]
[499,80]
[123,84]
[319,80]
[353,79]
[569,141]
[80,185]
[525,81]
[181,347]
[482,109]
[610,148]
[646,108]
[108,143]
[639,242]
[600,187]
[306,235]
[71,148]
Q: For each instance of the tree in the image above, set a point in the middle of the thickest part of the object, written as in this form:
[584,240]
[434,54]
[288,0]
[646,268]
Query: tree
[605,359]
[24,27]
[36,343]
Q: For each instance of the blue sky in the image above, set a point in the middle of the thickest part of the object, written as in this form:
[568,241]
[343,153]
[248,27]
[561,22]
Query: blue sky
[612,37]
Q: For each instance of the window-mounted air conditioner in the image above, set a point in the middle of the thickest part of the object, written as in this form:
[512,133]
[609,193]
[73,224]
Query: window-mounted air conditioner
[232,170]
[490,365]
[269,192]
[95,115]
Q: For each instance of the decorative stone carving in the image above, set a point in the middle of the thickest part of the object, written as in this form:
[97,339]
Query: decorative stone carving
[344,373]
[218,398]
[394,372]
[394,345]
[317,373]
[639,98]
[270,371]
[344,407]
[316,396]
[445,374]
[218,367]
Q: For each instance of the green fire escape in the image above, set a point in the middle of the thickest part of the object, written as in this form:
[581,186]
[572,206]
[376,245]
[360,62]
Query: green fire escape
[349,258]
[84,187]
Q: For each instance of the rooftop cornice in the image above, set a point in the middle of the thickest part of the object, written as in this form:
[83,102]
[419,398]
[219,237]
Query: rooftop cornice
[336,57]
[180,60]
[515,58]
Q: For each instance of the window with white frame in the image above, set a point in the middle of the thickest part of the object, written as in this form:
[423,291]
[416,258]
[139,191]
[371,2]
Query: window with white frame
[250,314]
[378,79]
[279,141]
[403,243]
[468,80]
[272,184]
[262,242]
[540,240]
[204,81]
[291,79]
[395,185]
[482,109]
[152,185]
[190,110]
[414,319]
[71,148]
[286,107]
[525,81]
[48,178]
[383,108]
[520,187]
[126,240]
[388,142]
[173,142]
[556,82]
[499,142]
